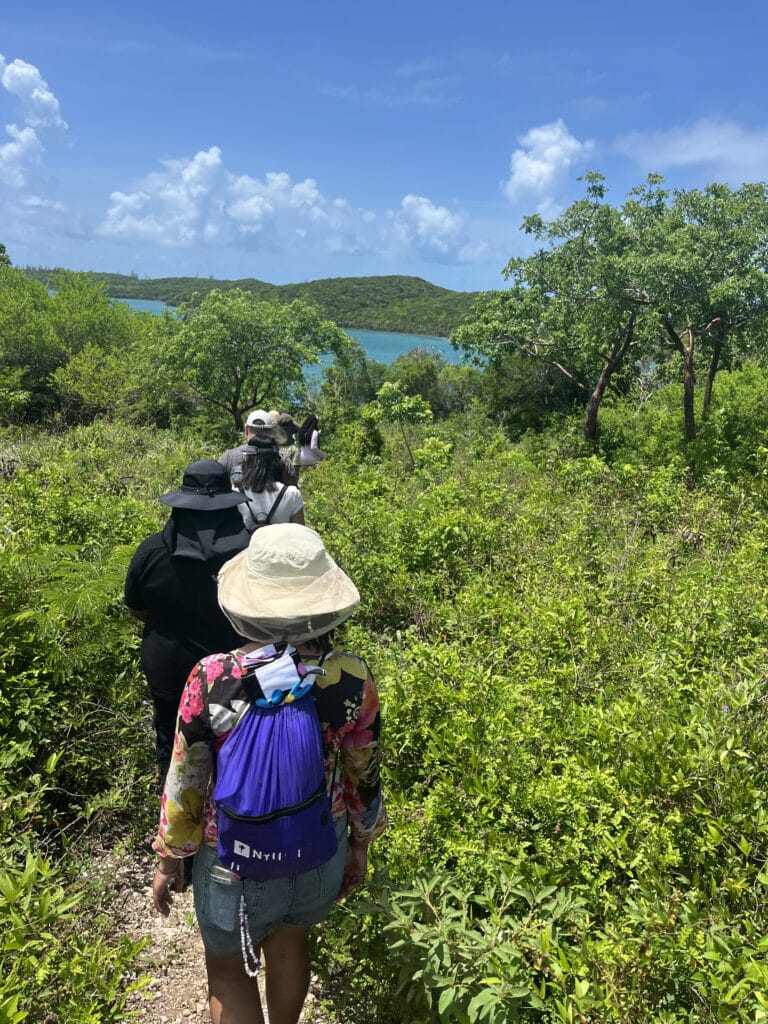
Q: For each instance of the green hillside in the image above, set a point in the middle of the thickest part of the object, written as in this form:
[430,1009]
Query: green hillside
[393,303]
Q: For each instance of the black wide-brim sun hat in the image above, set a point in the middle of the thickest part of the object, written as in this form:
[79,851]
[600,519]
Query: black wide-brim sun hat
[205,487]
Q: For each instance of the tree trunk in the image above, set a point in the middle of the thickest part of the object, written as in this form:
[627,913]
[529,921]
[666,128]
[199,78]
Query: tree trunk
[689,386]
[410,453]
[613,361]
[589,430]
[689,379]
[714,362]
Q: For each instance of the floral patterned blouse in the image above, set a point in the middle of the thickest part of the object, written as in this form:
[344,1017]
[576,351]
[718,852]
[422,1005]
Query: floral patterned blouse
[211,705]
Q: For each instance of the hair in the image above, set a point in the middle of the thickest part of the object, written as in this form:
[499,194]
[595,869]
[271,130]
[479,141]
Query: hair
[322,645]
[307,428]
[263,468]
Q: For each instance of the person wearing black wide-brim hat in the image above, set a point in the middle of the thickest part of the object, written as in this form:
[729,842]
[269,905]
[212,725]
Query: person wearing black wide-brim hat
[171,588]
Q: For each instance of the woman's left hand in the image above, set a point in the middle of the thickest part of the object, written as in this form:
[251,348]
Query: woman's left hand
[355,868]
[163,883]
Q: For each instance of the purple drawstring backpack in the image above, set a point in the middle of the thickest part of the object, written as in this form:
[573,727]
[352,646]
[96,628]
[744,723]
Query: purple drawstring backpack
[274,814]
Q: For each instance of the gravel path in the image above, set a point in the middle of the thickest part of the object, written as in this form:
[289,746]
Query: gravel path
[177,993]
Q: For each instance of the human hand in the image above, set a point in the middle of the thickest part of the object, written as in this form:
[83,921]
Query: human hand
[355,868]
[162,884]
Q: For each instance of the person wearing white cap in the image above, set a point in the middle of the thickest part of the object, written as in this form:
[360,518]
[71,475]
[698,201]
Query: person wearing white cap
[284,587]
[260,423]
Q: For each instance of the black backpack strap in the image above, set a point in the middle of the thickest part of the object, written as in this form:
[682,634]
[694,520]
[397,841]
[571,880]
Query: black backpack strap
[276,502]
[253,524]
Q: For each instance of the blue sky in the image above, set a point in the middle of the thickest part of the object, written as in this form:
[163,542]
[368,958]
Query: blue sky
[296,141]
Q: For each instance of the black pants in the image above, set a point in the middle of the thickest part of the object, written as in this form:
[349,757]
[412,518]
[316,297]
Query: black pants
[164,721]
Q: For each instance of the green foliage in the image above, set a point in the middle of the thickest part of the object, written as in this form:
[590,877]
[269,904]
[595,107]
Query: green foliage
[74,354]
[237,353]
[573,305]
[446,387]
[30,350]
[521,394]
[97,336]
[75,763]
[704,268]
[679,276]
[393,405]
[729,441]
[50,967]
[571,665]
[358,441]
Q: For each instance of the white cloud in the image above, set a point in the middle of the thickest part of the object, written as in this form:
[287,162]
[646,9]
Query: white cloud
[540,166]
[429,226]
[431,232]
[196,201]
[19,156]
[257,201]
[40,203]
[178,206]
[725,148]
[39,114]
[475,252]
[39,107]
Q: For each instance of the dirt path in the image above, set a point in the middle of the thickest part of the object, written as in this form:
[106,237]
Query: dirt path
[177,993]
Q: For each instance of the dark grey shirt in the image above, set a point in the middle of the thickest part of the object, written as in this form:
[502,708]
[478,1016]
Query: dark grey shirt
[232,458]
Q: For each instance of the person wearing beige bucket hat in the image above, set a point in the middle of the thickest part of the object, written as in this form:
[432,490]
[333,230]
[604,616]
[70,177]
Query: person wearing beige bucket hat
[285,587]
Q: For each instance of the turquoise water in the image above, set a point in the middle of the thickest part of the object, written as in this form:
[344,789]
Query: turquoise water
[384,346]
[145,305]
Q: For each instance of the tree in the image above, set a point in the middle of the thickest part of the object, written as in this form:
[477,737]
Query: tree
[30,350]
[573,304]
[521,393]
[83,314]
[703,260]
[350,382]
[133,380]
[96,335]
[5,259]
[666,273]
[449,388]
[393,405]
[237,353]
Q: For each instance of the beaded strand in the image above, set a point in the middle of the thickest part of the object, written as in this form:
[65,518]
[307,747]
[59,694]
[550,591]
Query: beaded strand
[251,960]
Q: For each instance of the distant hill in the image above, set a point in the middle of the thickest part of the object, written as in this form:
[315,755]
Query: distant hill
[393,303]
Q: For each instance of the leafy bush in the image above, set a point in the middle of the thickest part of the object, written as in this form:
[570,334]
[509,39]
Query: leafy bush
[571,666]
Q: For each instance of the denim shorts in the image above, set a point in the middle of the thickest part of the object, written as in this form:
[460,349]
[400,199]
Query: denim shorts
[301,900]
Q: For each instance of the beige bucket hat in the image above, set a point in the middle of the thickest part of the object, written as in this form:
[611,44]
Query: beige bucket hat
[285,586]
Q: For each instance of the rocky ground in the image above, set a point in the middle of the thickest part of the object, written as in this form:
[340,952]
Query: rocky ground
[177,993]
